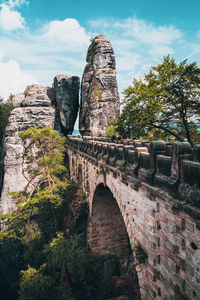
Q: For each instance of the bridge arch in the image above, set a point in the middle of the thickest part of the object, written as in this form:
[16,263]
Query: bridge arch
[108,235]
[107,230]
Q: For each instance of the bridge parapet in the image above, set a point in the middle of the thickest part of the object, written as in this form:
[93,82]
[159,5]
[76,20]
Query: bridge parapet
[174,167]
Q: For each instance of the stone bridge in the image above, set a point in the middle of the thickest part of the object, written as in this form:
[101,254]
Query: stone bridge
[144,199]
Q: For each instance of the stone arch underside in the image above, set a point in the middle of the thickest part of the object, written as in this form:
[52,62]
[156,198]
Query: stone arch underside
[107,231]
[108,235]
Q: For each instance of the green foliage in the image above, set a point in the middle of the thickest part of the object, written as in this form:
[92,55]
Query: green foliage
[165,105]
[35,285]
[45,260]
[97,93]
[112,129]
[42,206]
[47,184]
[68,272]
[75,268]
[5,110]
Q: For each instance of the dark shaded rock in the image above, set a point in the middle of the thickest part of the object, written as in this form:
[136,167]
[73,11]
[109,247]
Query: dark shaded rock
[123,285]
[67,102]
[121,298]
[190,194]
[111,266]
[99,92]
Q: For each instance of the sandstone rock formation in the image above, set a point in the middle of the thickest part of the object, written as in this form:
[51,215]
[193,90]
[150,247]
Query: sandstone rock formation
[17,100]
[99,93]
[66,89]
[35,109]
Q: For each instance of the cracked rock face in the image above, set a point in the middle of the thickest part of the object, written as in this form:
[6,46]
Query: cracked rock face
[17,100]
[35,109]
[99,93]
[66,89]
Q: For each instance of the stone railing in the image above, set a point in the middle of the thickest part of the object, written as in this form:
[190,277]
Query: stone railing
[174,167]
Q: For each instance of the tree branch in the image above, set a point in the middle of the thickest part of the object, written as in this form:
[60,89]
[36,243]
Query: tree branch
[167,130]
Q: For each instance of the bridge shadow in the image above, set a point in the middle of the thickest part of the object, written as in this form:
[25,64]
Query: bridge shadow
[108,234]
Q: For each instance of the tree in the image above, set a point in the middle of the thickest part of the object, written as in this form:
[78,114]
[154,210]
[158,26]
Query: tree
[41,209]
[166,104]
[69,272]
[46,257]
[5,110]
[53,262]
[46,180]
[112,130]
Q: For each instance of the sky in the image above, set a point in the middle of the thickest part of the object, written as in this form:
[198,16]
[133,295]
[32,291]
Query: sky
[40,39]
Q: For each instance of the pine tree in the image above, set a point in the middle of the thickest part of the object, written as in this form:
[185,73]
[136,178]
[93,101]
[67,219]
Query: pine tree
[46,180]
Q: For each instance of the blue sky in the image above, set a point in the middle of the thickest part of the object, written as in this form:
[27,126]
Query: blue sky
[40,39]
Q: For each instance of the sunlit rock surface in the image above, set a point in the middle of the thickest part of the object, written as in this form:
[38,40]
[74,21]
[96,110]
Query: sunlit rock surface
[99,92]
[35,109]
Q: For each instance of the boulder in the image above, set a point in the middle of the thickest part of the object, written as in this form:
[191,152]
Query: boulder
[99,93]
[36,95]
[17,100]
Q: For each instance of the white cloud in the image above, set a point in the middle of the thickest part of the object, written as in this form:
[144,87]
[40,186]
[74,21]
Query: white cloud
[127,60]
[161,50]
[42,59]
[138,30]
[148,33]
[138,44]
[101,23]
[13,3]
[10,19]
[13,79]
[60,46]
[68,32]
[137,34]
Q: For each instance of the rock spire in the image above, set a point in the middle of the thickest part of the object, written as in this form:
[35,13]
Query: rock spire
[99,92]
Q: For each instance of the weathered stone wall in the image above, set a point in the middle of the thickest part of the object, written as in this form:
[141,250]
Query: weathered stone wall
[165,222]
[99,92]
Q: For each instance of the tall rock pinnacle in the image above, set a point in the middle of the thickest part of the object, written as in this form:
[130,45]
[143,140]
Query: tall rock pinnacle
[99,93]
